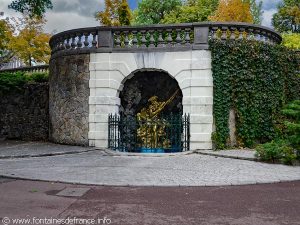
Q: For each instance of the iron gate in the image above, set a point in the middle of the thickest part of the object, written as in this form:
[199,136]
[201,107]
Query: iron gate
[167,134]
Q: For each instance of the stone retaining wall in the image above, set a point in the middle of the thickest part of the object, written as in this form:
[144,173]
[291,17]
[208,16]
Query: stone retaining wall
[24,113]
[69,99]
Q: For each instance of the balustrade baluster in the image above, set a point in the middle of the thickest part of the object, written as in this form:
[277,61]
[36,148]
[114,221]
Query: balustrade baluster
[241,33]
[169,38]
[134,39]
[86,41]
[187,38]
[178,37]
[126,40]
[215,32]
[68,46]
[151,41]
[143,40]
[161,42]
[73,44]
[250,34]
[224,33]
[257,35]
[263,36]
[232,33]
[269,38]
[63,45]
[94,42]
[118,40]
[79,43]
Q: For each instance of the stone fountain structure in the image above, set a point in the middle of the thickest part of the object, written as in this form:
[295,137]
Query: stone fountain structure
[99,71]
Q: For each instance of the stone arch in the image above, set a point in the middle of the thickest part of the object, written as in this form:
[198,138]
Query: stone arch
[144,83]
[191,70]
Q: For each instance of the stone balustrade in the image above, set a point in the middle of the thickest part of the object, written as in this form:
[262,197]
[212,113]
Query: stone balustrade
[29,69]
[156,37]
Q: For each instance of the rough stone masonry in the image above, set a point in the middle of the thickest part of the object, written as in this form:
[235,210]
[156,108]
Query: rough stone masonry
[24,113]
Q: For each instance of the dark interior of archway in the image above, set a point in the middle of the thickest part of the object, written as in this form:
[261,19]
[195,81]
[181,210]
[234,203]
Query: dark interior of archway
[145,84]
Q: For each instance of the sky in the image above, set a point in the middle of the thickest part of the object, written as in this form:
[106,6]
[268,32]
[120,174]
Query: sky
[71,14]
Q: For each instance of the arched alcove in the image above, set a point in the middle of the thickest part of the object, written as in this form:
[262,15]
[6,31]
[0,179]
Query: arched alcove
[142,85]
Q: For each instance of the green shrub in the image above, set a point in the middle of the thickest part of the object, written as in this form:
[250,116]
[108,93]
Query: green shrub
[37,77]
[276,151]
[15,81]
[286,150]
[9,81]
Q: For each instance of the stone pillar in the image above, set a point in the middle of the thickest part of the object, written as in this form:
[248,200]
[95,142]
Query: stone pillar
[104,98]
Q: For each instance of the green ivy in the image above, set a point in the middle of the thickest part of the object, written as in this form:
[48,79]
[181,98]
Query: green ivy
[256,80]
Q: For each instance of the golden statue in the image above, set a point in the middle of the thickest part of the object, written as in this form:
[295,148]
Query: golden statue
[152,129]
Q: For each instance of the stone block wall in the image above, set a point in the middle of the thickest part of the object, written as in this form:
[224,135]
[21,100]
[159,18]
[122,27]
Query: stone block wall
[69,99]
[191,70]
[24,113]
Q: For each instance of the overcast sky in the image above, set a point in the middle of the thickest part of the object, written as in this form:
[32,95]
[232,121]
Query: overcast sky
[69,14]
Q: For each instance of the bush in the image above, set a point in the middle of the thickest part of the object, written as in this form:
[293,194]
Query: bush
[37,77]
[276,151]
[15,81]
[286,150]
[9,81]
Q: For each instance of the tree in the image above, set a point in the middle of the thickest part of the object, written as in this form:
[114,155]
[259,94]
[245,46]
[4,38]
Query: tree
[154,11]
[288,16]
[233,11]
[291,40]
[192,11]
[116,13]
[34,8]
[6,32]
[31,43]
[256,11]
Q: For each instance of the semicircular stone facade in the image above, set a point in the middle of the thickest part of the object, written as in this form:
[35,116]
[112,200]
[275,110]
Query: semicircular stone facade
[90,66]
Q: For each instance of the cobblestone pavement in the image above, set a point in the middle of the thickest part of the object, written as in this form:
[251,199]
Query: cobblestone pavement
[100,168]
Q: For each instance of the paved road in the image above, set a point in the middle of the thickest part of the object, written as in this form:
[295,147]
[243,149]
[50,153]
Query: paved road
[100,168]
[267,204]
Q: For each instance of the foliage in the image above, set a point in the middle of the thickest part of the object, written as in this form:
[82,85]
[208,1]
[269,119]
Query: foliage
[288,16]
[255,79]
[276,151]
[15,81]
[116,13]
[287,149]
[292,111]
[154,11]
[6,32]
[233,11]
[256,11]
[31,43]
[34,8]
[192,11]
[291,40]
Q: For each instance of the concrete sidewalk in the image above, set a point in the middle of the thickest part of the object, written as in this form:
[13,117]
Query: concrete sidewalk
[22,149]
[245,154]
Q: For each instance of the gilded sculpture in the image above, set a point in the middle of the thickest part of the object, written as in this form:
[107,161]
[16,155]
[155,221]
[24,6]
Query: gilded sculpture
[151,131]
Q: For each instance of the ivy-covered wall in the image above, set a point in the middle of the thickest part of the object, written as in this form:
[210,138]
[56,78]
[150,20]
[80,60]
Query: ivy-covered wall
[255,80]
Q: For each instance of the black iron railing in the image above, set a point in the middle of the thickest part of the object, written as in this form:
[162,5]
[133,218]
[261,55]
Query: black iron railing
[168,134]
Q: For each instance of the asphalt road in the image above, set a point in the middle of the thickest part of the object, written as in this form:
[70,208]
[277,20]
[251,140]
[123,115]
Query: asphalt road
[264,204]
